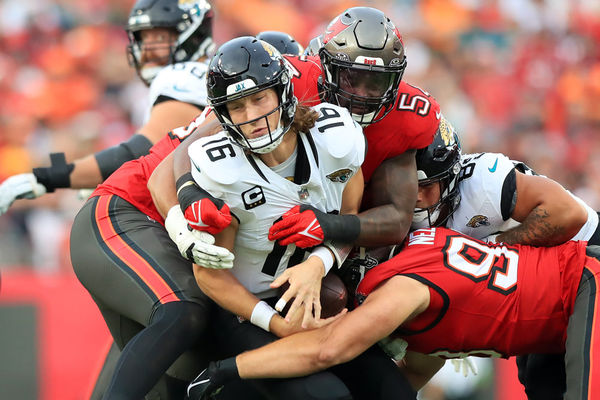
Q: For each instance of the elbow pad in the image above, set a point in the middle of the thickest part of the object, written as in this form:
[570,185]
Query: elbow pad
[109,160]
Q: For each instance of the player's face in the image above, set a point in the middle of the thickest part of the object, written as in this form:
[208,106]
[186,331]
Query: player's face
[365,84]
[251,111]
[156,46]
[428,195]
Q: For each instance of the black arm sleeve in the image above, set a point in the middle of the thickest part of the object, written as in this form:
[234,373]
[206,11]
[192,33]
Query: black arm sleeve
[508,199]
[109,160]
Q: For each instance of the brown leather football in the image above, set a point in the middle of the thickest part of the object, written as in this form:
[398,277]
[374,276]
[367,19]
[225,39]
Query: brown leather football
[334,296]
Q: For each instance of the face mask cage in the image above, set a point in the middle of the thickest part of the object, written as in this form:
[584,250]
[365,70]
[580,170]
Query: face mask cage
[344,79]
[134,56]
[273,137]
[438,213]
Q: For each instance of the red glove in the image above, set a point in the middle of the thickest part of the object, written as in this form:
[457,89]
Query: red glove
[299,227]
[202,211]
[305,226]
[203,215]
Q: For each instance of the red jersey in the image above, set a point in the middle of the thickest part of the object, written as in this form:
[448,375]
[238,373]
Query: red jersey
[130,181]
[411,124]
[486,299]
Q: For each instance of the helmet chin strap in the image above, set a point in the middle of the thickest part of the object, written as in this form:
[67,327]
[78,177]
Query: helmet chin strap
[424,219]
[273,145]
[364,119]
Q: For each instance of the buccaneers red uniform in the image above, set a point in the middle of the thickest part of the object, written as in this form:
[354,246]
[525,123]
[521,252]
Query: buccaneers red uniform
[411,124]
[486,299]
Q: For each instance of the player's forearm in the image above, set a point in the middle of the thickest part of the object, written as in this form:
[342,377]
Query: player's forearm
[539,228]
[86,173]
[295,355]
[390,199]
[384,225]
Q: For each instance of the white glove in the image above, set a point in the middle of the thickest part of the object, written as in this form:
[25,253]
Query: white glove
[465,364]
[194,245]
[22,186]
[84,194]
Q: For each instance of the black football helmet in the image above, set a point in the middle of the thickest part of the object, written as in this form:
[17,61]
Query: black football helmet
[190,19]
[363,63]
[282,41]
[240,68]
[439,162]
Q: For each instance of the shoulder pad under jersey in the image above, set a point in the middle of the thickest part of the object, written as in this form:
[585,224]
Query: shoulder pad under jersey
[338,132]
[185,82]
[216,159]
[483,176]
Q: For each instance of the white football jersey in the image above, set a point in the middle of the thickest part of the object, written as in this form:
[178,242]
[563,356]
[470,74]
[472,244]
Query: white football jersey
[185,82]
[486,198]
[327,157]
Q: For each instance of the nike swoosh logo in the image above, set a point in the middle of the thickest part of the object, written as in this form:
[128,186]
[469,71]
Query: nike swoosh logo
[314,225]
[438,114]
[180,89]
[493,169]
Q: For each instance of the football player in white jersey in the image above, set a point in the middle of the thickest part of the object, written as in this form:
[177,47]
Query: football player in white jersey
[488,196]
[169,33]
[273,154]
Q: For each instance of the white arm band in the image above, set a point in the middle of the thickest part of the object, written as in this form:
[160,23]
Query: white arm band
[325,255]
[262,314]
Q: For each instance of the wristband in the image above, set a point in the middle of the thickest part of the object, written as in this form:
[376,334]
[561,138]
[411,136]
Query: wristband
[262,314]
[189,192]
[57,175]
[325,255]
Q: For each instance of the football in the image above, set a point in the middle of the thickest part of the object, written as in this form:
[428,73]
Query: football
[334,296]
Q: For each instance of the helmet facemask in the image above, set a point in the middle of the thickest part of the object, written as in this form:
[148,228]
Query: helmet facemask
[286,107]
[191,22]
[437,214]
[363,61]
[346,81]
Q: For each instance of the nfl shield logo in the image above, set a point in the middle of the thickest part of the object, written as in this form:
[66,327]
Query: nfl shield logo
[303,194]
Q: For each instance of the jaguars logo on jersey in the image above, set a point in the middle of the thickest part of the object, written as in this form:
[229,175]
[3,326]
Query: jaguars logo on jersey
[478,220]
[340,176]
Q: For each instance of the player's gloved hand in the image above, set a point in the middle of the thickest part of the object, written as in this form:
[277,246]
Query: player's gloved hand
[305,226]
[22,186]
[205,215]
[465,365]
[203,211]
[211,381]
[196,246]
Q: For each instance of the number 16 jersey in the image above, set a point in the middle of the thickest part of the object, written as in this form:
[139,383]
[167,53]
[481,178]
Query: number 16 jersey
[327,157]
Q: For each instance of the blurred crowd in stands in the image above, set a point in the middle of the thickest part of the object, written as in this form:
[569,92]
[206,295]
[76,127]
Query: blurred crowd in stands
[521,77]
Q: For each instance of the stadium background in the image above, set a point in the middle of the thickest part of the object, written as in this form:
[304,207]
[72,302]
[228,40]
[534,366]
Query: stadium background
[520,77]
